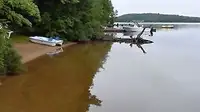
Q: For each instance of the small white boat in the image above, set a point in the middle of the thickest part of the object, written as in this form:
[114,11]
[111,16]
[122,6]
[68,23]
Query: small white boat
[168,26]
[46,40]
[135,29]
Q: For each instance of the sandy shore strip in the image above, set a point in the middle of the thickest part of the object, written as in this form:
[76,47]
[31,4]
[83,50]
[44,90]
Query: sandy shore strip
[31,51]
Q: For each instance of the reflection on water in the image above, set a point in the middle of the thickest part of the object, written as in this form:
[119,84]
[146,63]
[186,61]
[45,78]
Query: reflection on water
[166,79]
[134,35]
[139,46]
[56,84]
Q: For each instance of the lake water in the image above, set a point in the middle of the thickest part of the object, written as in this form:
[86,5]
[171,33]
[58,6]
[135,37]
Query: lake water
[112,77]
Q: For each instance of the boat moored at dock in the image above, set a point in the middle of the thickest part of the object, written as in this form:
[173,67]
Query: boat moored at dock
[135,29]
[167,26]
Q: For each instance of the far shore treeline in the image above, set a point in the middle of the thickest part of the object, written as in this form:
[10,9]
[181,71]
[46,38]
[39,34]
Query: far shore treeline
[72,20]
[156,17]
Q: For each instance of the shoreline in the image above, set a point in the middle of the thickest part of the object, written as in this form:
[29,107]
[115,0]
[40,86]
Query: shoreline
[32,51]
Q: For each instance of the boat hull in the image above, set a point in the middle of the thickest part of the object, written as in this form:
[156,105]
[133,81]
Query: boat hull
[167,26]
[135,29]
[46,41]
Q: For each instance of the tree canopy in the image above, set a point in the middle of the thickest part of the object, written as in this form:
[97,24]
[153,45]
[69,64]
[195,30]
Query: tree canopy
[17,11]
[73,19]
[69,19]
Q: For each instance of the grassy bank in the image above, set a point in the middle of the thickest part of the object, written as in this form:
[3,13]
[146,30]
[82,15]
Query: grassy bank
[19,39]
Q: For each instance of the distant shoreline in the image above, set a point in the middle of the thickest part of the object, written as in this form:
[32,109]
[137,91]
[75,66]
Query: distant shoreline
[162,22]
[155,22]
[156,17]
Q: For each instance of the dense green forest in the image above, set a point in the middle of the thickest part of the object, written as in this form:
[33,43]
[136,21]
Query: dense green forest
[73,20]
[154,17]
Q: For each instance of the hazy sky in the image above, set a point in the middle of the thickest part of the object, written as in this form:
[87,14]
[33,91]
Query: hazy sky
[182,7]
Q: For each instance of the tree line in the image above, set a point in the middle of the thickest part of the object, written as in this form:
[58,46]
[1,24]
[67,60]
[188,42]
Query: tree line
[73,20]
[154,17]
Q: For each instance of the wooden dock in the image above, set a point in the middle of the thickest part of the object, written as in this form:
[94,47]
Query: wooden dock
[126,40]
[133,40]
[137,40]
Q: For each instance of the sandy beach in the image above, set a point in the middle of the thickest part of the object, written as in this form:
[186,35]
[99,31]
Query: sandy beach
[31,51]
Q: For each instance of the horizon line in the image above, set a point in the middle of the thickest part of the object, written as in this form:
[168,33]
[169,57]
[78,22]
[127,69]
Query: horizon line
[157,13]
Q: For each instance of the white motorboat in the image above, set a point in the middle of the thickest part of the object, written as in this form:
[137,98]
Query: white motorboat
[46,41]
[168,26]
[135,28]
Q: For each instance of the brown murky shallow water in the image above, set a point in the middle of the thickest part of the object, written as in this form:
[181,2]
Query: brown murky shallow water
[58,84]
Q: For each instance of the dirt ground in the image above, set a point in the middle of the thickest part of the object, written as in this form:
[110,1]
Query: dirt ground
[31,51]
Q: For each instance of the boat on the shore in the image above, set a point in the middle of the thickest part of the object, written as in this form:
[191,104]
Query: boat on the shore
[46,41]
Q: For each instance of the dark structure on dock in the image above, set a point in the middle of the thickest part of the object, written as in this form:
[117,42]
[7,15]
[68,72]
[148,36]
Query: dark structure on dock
[138,40]
[112,29]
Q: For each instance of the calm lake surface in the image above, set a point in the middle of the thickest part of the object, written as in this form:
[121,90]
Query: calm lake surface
[112,77]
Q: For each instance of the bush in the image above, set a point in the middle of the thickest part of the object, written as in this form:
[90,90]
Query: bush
[10,60]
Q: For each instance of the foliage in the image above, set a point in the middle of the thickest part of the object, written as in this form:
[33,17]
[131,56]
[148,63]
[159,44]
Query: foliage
[153,17]
[10,60]
[16,11]
[12,13]
[73,19]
